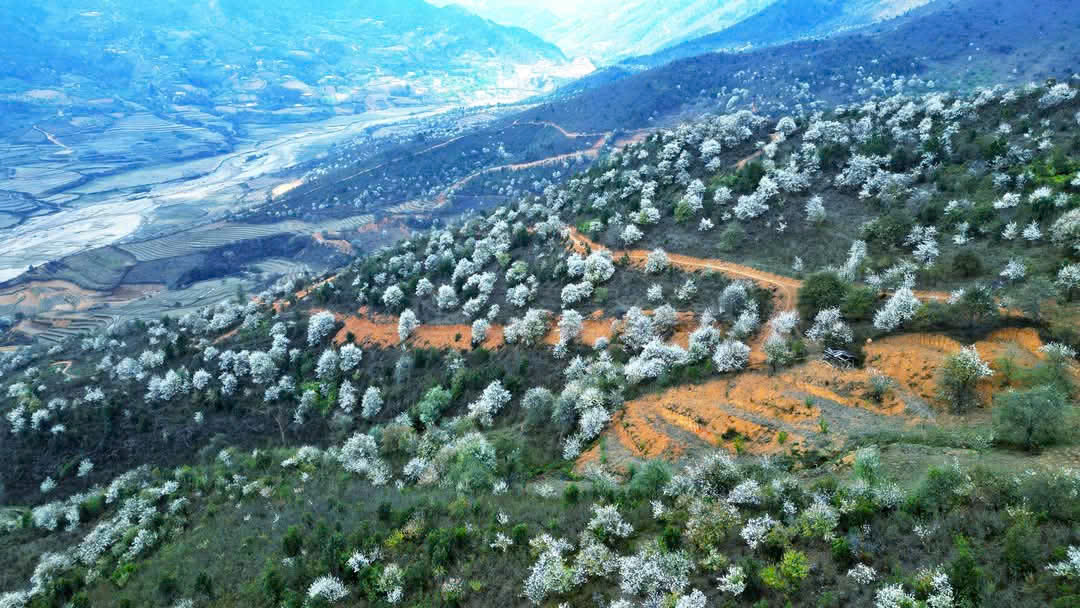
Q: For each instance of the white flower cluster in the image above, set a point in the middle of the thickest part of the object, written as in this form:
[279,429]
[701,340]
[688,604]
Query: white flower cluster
[319,327]
[829,328]
[899,308]
[549,574]
[360,455]
[862,574]
[731,356]
[328,588]
[528,330]
[1070,567]
[652,572]
[607,522]
[755,530]
[489,403]
[733,581]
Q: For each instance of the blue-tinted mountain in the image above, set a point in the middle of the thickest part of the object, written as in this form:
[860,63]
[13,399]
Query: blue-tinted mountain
[218,55]
[956,45]
[783,21]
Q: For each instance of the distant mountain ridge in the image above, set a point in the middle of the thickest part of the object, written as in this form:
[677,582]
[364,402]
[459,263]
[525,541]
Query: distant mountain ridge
[221,54]
[784,21]
[609,31]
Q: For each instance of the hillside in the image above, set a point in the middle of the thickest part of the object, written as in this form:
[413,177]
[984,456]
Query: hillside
[781,21]
[745,360]
[1030,41]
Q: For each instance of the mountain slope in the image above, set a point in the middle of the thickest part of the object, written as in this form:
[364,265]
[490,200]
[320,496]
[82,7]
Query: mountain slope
[1021,43]
[783,21]
[608,30]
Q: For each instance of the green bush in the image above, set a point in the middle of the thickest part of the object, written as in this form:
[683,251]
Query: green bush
[730,238]
[571,494]
[965,574]
[967,264]
[434,402]
[292,542]
[1032,418]
[859,304]
[788,575]
[820,291]
[1022,548]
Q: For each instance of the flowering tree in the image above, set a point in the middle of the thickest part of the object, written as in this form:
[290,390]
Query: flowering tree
[631,234]
[349,357]
[480,329]
[347,397]
[319,327]
[899,308]
[1014,270]
[407,324]
[490,402]
[530,329]
[576,292]
[200,379]
[637,329]
[1068,280]
[446,298]
[598,267]
[424,288]
[327,367]
[657,262]
[372,402]
[263,368]
[731,356]
[570,326]
[959,376]
[815,210]
[1066,230]
[393,297]
[829,329]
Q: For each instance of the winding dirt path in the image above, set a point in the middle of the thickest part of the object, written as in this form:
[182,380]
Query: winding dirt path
[785,289]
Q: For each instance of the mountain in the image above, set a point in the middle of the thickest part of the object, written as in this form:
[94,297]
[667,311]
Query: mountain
[606,31]
[215,52]
[1001,42]
[784,21]
[609,31]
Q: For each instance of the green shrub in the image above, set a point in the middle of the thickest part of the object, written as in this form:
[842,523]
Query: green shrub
[730,238]
[671,538]
[965,574]
[571,494]
[520,534]
[788,575]
[292,542]
[820,291]
[842,553]
[1022,548]
[859,304]
[272,584]
[204,584]
[167,585]
[967,264]
[1032,418]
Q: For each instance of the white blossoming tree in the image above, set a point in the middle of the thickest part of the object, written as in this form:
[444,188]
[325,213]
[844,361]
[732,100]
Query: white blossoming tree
[898,309]
[407,324]
[319,327]
[960,375]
